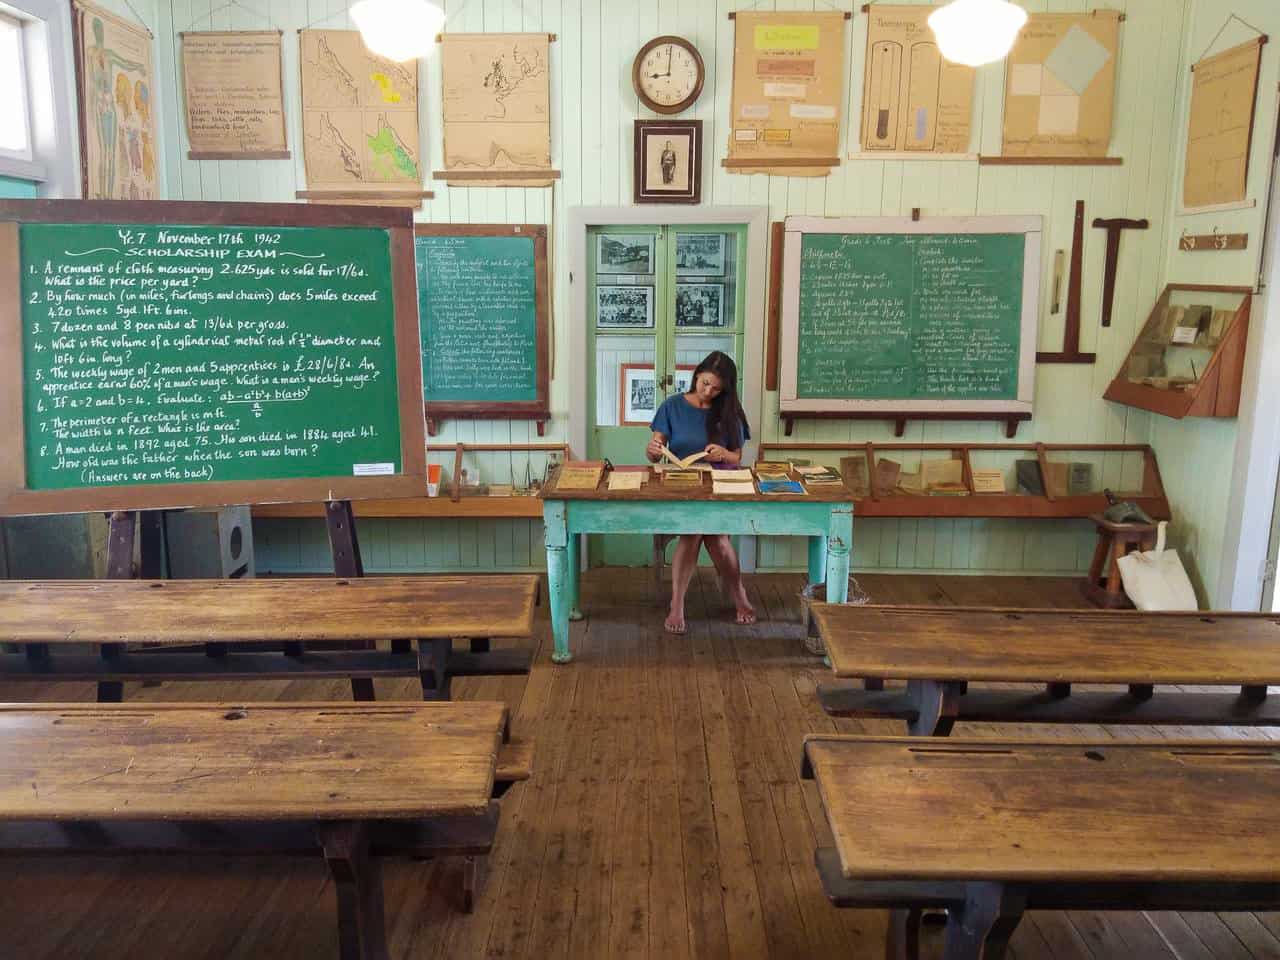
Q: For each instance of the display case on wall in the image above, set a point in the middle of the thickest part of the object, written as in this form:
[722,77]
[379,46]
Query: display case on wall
[1188,360]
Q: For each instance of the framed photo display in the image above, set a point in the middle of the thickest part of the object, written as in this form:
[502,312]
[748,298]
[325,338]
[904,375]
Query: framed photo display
[624,307]
[701,253]
[624,253]
[638,392]
[700,305]
[668,161]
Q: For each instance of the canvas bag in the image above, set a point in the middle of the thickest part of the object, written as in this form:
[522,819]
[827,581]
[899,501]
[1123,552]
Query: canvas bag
[1155,580]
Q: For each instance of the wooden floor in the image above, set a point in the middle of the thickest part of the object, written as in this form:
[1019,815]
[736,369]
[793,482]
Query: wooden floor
[666,817]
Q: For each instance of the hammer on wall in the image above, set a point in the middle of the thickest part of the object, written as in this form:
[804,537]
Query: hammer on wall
[1113,228]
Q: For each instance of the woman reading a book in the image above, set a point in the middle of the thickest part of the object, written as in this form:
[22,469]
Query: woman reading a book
[707,420]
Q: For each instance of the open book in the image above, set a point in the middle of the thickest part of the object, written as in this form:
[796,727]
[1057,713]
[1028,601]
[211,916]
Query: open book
[685,464]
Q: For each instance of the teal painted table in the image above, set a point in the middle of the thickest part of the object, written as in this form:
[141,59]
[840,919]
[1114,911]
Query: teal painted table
[825,517]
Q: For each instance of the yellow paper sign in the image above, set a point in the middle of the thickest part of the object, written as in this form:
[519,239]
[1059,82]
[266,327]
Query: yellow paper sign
[784,37]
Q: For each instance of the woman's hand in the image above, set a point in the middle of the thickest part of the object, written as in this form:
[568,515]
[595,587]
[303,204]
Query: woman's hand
[653,451]
[717,453]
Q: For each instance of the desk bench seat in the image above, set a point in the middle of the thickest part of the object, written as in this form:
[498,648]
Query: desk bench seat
[939,652]
[351,782]
[990,828]
[260,629]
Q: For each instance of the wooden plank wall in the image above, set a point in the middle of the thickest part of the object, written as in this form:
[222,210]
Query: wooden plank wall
[593,107]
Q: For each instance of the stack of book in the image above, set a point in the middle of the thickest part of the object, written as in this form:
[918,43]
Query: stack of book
[681,478]
[773,470]
[820,477]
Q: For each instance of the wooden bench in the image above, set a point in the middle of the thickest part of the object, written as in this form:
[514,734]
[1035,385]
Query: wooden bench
[353,782]
[940,651]
[260,629]
[989,828]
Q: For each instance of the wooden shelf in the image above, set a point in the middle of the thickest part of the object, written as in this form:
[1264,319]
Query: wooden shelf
[476,508]
[1012,506]
[1217,391]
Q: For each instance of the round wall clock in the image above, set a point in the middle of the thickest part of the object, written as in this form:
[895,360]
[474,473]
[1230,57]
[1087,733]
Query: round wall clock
[668,74]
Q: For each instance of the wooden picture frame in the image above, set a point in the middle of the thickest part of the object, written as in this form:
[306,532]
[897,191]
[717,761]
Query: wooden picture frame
[15,496]
[667,161]
[637,375]
[539,408]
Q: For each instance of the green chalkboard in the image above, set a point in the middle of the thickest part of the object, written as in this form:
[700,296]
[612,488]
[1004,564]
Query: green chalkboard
[172,354]
[911,317]
[482,309]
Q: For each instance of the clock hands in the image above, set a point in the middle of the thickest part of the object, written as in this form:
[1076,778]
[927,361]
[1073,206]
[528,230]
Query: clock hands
[659,76]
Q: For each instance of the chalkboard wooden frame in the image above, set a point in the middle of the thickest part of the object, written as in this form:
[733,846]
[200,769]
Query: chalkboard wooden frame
[17,499]
[793,406]
[540,408]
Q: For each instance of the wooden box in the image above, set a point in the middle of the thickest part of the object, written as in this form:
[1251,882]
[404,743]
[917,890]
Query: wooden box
[1188,360]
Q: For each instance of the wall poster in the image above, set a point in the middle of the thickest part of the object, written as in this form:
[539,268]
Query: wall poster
[115,73]
[234,95]
[497,109]
[788,72]
[1060,84]
[913,100]
[359,120]
[1224,89]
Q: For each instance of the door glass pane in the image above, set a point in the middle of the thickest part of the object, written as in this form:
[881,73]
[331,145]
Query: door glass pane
[624,314]
[706,301]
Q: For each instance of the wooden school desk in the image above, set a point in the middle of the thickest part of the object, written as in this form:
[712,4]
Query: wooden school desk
[259,628]
[824,516]
[989,828]
[349,782]
[939,651]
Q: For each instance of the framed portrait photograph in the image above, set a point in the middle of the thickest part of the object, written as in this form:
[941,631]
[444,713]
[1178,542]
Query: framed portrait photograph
[668,161]
[624,253]
[638,393]
[624,307]
[700,253]
[700,305]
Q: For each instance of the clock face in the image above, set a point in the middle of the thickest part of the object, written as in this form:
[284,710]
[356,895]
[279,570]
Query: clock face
[668,73]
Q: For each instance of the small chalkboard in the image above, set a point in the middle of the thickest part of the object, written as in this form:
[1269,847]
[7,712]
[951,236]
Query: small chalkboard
[482,300]
[161,355]
[892,317]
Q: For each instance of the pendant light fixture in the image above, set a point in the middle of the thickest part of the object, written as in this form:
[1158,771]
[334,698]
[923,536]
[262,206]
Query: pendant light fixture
[398,29]
[974,32]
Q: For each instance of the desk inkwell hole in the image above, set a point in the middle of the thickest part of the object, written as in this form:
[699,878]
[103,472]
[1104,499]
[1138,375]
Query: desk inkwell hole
[1093,755]
[1208,620]
[1013,616]
[234,715]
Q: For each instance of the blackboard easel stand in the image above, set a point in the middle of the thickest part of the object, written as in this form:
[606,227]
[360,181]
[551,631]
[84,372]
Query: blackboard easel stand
[125,528]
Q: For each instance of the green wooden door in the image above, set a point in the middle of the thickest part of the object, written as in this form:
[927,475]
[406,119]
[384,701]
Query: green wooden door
[660,299]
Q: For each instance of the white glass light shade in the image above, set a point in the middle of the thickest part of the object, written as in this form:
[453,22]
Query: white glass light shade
[398,29]
[974,32]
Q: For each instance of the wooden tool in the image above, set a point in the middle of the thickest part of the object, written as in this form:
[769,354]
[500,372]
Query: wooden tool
[1113,228]
[1071,333]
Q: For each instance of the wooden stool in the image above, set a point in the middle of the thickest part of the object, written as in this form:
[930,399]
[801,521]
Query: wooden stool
[1114,541]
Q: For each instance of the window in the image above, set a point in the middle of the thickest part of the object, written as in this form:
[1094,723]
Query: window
[15,124]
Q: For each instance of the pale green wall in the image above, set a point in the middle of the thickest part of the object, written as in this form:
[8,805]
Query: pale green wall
[593,107]
[1197,454]
[12,188]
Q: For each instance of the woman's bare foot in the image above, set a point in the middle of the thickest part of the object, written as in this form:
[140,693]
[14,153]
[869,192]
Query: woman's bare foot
[745,612]
[674,623]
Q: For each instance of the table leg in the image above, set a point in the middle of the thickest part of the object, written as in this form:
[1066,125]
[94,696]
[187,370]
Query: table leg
[839,544]
[556,536]
[980,930]
[575,575]
[817,560]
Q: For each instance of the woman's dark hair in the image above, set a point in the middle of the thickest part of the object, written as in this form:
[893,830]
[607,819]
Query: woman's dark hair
[726,422]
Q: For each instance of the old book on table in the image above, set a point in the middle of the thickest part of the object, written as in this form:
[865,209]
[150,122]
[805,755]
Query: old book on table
[886,479]
[625,480]
[988,481]
[736,475]
[937,472]
[1080,479]
[780,486]
[819,476]
[854,471]
[580,475]
[682,478]
[732,488]
[1029,479]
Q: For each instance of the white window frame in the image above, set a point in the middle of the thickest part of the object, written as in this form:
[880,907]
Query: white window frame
[49,57]
[24,101]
